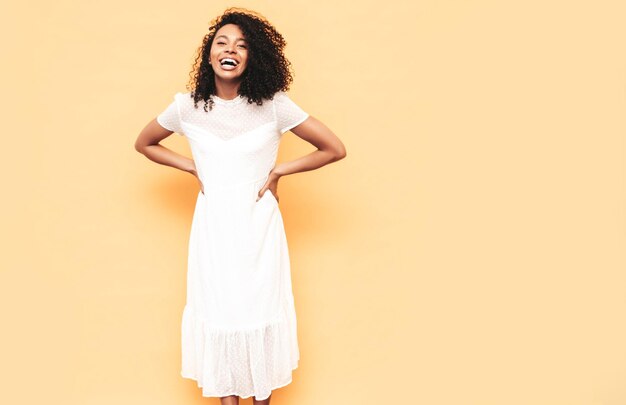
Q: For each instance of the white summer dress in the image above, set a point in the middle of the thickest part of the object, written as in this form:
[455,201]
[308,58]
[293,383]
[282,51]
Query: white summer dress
[239,331]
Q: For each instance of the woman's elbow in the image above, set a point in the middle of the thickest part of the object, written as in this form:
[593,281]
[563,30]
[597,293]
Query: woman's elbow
[340,153]
[140,146]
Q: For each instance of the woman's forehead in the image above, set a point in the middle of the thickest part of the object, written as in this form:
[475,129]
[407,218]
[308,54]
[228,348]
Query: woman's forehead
[230,31]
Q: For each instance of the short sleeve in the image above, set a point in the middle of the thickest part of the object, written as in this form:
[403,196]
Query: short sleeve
[170,117]
[288,113]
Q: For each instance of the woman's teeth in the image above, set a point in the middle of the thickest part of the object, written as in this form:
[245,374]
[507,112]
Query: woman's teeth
[228,64]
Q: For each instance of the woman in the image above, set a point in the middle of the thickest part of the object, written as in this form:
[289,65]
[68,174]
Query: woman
[238,324]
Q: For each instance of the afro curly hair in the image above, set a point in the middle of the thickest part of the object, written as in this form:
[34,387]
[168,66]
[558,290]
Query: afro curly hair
[268,69]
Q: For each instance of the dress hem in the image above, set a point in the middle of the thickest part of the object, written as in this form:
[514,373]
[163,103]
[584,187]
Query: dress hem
[242,396]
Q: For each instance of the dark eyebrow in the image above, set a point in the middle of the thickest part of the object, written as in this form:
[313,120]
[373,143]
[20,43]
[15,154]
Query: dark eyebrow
[238,39]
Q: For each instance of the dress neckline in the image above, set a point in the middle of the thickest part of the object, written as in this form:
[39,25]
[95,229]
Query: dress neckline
[233,101]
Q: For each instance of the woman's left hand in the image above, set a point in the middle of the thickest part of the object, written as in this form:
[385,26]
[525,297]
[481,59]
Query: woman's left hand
[270,185]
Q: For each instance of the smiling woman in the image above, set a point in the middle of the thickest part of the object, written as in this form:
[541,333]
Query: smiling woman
[239,332]
[241,55]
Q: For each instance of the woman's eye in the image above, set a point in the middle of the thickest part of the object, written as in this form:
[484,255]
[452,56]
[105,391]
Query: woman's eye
[221,43]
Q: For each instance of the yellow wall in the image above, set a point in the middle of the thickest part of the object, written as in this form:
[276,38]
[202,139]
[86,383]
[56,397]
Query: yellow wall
[469,249]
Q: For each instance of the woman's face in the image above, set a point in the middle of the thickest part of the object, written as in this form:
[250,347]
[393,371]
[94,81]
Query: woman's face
[229,53]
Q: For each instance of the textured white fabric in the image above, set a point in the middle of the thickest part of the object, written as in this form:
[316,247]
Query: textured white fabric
[239,330]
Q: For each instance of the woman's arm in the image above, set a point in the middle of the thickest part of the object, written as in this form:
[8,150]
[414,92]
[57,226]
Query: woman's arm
[147,143]
[329,148]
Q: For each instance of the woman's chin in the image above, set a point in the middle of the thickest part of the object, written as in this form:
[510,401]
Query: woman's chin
[228,74]
[227,77]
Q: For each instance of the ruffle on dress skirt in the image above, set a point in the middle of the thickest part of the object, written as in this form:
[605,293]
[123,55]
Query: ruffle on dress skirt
[243,362]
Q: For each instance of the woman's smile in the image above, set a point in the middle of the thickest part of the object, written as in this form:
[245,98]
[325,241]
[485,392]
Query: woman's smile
[228,63]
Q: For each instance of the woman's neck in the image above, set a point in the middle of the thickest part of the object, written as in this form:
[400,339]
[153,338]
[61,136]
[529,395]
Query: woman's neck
[226,90]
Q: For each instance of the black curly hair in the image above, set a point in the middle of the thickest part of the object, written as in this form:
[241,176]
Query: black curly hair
[267,72]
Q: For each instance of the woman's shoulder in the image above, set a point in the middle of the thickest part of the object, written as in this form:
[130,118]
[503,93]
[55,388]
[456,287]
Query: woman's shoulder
[184,99]
[280,94]
[183,95]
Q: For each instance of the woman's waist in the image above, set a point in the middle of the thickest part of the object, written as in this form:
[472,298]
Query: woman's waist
[225,184]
